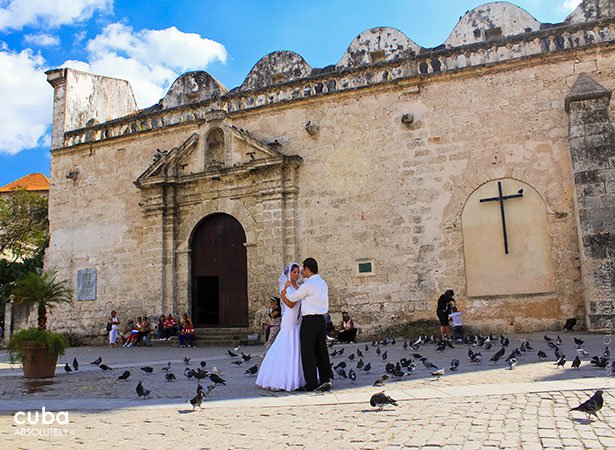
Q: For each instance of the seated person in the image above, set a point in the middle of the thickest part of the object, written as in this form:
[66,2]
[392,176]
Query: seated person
[144,332]
[170,327]
[127,333]
[134,333]
[348,332]
[160,327]
[186,336]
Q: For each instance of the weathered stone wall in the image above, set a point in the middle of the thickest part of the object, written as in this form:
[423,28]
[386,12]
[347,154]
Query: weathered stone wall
[592,148]
[390,149]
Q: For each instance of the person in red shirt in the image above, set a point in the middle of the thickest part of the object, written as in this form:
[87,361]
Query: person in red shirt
[186,337]
[170,327]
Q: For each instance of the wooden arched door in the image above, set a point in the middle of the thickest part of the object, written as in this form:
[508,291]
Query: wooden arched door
[219,273]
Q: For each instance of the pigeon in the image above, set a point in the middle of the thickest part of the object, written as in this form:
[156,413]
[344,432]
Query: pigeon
[197,400]
[124,376]
[359,353]
[245,357]
[187,361]
[497,355]
[561,362]
[441,347]
[570,324]
[360,364]
[232,354]
[454,365]
[203,364]
[189,373]
[333,354]
[147,370]
[488,346]
[512,363]
[352,375]
[325,387]
[576,363]
[558,340]
[438,373]
[341,372]
[340,352]
[366,347]
[169,376]
[141,391]
[351,357]
[167,367]
[216,379]
[389,367]
[199,374]
[581,352]
[342,364]
[97,361]
[378,351]
[252,370]
[542,355]
[592,405]
[238,363]
[428,364]
[367,367]
[476,357]
[380,400]
[381,380]
[558,354]
[600,362]
[578,341]
[67,368]
[75,364]
[104,367]
[548,339]
[384,356]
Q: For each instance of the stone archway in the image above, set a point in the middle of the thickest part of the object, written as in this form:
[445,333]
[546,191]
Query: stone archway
[219,272]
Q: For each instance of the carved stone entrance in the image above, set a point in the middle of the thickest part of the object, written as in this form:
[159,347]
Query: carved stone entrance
[219,273]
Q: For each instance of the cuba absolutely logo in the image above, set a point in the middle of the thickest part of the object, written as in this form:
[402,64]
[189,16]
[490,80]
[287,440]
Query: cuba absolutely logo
[41,423]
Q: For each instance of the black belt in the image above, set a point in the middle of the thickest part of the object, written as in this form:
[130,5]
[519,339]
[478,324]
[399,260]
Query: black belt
[314,315]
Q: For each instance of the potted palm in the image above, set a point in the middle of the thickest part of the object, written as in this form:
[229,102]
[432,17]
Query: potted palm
[36,347]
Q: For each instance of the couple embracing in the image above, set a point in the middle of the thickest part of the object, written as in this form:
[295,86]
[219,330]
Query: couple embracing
[298,358]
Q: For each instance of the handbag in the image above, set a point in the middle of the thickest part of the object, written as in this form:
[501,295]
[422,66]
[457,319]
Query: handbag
[108,326]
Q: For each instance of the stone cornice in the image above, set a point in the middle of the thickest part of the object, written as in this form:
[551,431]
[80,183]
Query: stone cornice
[432,62]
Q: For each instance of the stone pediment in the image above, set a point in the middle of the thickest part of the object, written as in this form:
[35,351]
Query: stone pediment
[221,151]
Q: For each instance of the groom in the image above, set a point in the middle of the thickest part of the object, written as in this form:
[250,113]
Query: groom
[314,296]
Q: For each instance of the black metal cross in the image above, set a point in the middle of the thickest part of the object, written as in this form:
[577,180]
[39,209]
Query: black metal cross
[500,198]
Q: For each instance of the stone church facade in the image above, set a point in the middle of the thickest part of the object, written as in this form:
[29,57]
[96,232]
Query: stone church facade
[485,165]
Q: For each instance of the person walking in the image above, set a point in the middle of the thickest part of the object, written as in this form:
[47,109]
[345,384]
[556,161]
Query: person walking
[314,297]
[113,324]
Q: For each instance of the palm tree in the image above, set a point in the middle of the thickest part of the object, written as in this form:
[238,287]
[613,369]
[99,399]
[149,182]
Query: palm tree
[42,290]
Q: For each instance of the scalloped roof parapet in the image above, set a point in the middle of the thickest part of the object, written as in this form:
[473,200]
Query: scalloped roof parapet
[592,10]
[377,45]
[489,21]
[276,68]
[192,87]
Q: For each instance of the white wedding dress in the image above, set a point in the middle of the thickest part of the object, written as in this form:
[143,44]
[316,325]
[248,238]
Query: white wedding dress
[282,369]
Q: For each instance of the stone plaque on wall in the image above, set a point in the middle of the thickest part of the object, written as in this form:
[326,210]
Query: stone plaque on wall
[519,264]
[86,284]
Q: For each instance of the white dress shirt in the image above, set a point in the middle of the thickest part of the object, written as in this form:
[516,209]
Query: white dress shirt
[314,296]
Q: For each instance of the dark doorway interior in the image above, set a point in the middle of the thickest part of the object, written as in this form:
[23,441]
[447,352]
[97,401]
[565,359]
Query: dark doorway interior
[219,273]
[206,306]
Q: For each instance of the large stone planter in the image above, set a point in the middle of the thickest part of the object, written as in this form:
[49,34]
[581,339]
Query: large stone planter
[38,362]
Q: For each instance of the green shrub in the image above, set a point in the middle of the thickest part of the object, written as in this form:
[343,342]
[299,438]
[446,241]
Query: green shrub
[53,342]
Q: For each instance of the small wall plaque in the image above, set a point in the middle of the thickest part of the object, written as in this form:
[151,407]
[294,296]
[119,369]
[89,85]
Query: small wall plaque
[86,284]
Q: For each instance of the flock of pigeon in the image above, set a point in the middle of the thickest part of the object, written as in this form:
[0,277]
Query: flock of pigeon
[356,362]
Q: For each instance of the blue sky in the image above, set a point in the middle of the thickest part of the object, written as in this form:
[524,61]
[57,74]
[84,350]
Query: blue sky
[152,42]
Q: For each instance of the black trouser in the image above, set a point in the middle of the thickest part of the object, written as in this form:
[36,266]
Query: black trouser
[314,354]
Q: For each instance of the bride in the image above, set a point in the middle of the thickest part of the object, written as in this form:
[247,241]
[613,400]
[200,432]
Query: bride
[281,369]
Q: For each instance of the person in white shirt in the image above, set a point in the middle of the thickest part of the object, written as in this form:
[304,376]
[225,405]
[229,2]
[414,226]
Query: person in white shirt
[314,297]
[455,315]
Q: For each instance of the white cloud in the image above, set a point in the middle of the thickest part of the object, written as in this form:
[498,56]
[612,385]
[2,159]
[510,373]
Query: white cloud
[149,59]
[570,5]
[16,14]
[26,101]
[42,40]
